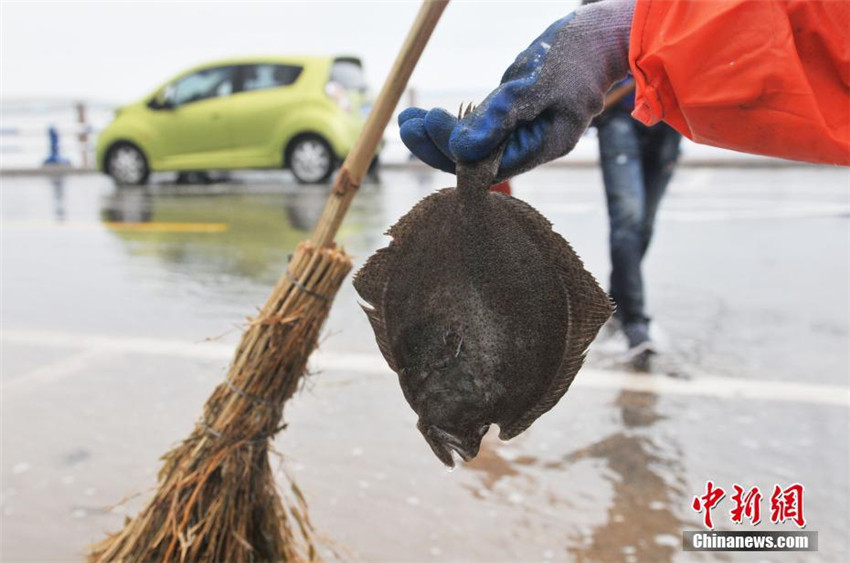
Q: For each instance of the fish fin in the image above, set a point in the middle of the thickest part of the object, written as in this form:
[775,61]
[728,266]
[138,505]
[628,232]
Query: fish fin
[410,222]
[588,309]
[371,282]
[376,319]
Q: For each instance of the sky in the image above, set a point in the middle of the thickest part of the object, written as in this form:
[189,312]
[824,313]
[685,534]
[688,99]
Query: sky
[116,52]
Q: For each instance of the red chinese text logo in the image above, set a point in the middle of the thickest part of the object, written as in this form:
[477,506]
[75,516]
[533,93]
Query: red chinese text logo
[787,504]
[707,501]
[747,505]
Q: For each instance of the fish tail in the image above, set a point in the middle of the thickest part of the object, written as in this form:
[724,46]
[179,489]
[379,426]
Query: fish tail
[474,179]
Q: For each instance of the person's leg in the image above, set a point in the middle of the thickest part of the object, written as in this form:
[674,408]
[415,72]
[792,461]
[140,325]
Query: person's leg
[660,156]
[622,173]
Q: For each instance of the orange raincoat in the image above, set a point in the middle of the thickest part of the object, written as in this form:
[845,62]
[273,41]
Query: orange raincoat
[761,76]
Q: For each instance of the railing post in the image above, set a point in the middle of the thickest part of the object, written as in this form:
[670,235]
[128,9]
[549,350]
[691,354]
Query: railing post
[83,135]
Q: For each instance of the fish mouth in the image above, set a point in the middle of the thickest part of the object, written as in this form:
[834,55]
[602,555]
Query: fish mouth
[444,443]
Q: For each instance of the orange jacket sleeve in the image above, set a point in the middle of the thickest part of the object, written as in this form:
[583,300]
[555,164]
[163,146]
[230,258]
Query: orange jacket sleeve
[766,77]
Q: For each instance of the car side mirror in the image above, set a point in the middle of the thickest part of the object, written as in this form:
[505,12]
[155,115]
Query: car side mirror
[164,99]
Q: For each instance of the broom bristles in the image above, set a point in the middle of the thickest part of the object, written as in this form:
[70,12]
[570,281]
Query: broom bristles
[216,498]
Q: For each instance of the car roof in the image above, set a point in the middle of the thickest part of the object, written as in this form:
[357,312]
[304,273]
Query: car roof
[301,60]
[280,59]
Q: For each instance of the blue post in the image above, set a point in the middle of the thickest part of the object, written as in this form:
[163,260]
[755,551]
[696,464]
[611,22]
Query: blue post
[54,157]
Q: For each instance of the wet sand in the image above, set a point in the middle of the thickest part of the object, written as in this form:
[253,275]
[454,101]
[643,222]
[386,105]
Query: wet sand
[113,337]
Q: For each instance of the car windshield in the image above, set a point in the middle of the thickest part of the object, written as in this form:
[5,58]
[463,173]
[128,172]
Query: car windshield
[348,74]
[205,84]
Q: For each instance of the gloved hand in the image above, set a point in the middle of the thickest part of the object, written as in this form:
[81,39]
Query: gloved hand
[545,101]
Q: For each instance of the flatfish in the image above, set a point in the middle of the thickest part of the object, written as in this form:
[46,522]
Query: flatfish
[483,311]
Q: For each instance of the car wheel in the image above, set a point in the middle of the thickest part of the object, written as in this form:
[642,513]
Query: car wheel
[127,165]
[310,159]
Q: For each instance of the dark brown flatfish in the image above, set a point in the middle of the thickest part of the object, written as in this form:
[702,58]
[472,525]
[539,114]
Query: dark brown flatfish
[483,311]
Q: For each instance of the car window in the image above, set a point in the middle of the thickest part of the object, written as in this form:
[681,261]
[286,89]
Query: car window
[203,85]
[260,77]
[348,74]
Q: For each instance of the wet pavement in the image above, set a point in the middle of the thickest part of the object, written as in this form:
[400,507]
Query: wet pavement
[121,307]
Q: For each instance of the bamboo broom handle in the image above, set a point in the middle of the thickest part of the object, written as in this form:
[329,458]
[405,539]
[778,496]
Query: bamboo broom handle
[618,94]
[357,162]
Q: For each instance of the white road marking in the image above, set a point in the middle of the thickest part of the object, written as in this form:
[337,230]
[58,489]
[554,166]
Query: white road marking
[570,208]
[688,210]
[719,387]
[73,364]
[698,179]
[698,203]
[93,346]
[150,227]
[768,211]
[126,345]
[708,386]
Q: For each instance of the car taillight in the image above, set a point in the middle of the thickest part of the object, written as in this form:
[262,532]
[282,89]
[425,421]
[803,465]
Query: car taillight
[339,95]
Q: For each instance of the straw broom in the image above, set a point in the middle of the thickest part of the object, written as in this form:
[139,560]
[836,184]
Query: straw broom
[216,498]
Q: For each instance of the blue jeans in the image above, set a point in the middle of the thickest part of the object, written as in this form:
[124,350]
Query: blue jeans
[637,164]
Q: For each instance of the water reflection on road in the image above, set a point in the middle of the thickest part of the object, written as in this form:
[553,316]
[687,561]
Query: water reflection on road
[260,229]
[647,488]
[641,524]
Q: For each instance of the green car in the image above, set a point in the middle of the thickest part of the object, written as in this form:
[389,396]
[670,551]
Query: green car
[300,113]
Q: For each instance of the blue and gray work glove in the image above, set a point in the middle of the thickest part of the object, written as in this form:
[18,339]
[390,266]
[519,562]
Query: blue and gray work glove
[545,101]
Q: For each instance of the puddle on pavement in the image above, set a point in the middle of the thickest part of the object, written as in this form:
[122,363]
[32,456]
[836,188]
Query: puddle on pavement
[255,223]
[641,523]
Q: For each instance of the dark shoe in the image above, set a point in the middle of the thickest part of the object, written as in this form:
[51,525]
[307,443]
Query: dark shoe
[641,350]
[610,329]
[641,361]
[636,333]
